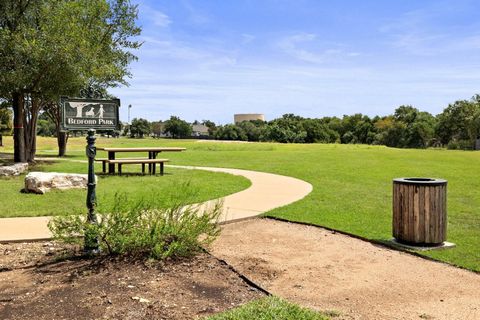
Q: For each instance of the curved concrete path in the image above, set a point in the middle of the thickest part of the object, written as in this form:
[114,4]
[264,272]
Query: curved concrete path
[268,191]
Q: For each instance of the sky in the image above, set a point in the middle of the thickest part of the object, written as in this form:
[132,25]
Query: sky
[210,59]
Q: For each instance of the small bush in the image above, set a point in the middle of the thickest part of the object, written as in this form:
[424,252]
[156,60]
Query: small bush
[138,229]
[460,145]
[269,308]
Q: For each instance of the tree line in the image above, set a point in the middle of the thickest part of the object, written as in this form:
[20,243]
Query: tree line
[457,127]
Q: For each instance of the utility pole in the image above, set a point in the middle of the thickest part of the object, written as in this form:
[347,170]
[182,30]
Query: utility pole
[129,124]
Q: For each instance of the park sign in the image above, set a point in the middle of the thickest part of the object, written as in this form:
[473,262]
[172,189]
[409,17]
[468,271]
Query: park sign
[84,114]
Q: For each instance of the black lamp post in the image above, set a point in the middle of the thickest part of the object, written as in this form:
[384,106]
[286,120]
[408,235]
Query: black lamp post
[91,245]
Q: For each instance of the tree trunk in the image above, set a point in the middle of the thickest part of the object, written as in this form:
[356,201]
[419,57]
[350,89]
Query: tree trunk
[1,140]
[62,138]
[53,111]
[18,131]
[30,123]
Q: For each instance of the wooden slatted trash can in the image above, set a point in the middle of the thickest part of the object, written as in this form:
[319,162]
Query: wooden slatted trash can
[420,211]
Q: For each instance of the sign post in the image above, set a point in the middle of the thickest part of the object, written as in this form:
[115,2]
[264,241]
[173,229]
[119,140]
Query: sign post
[91,240]
[90,114]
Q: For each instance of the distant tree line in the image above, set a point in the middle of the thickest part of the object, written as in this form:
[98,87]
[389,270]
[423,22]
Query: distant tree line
[457,127]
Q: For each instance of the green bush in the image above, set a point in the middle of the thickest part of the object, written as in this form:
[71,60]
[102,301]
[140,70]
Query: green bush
[270,308]
[138,229]
[460,145]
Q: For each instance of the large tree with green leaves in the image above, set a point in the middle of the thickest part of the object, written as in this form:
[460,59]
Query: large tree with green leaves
[140,128]
[177,128]
[50,48]
[460,121]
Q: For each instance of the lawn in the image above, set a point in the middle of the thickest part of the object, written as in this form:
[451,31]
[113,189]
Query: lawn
[352,183]
[176,186]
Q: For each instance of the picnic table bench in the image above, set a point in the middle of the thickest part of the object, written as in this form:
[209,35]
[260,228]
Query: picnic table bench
[151,160]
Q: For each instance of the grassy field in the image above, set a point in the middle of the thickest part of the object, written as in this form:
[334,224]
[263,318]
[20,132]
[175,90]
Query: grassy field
[352,183]
[176,186]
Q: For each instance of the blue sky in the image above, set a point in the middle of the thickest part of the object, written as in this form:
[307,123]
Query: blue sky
[209,59]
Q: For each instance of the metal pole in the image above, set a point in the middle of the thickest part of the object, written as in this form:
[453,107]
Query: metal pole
[91,238]
[129,107]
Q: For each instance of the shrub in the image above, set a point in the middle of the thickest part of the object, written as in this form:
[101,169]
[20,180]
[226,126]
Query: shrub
[270,308]
[138,229]
[460,145]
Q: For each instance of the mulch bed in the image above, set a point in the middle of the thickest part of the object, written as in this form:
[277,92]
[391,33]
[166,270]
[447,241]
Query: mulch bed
[43,280]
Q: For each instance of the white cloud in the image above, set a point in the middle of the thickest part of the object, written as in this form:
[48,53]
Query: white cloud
[418,32]
[196,16]
[158,18]
[292,45]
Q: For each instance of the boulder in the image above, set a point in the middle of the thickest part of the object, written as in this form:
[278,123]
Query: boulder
[13,170]
[41,182]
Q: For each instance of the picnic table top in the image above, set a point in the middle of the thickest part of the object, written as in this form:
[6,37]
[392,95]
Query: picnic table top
[140,149]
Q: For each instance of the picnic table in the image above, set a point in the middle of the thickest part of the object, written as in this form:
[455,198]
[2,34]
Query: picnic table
[151,160]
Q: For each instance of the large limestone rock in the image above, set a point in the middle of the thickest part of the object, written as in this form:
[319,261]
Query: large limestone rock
[41,182]
[13,170]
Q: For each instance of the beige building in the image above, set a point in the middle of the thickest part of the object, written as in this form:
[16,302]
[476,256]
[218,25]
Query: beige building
[240,117]
[199,130]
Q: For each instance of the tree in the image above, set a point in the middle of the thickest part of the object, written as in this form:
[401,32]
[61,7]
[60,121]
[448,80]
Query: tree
[418,126]
[459,122]
[230,132]
[50,48]
[318,132]
[252,129]
[139,128]
[286,129]
[5,120]
[157,128]
[357,128]
[177,128]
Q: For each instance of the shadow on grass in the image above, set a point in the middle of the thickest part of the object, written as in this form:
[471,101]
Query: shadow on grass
[131,174]
[51,155]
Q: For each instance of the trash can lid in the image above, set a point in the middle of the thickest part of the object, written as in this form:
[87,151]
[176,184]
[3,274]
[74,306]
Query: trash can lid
[420,181]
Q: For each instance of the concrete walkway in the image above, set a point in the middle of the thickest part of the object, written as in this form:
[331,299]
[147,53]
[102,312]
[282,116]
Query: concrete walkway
[268,191]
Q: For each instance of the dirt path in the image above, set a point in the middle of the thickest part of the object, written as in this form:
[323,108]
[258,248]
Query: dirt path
[330,271]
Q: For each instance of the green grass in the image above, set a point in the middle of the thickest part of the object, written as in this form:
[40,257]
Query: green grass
[352,184]
[191,186]
[269,308]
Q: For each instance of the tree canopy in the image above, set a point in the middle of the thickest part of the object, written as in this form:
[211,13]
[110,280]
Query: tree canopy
[50,48]
[177,128]
[139,128]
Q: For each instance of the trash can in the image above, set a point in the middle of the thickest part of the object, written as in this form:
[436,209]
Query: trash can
[420,211]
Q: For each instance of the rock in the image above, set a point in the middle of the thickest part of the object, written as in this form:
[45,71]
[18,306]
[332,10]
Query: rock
[141,300]
[13,170]
[41,182]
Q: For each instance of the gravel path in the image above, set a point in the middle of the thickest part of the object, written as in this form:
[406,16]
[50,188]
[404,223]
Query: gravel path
[330,271]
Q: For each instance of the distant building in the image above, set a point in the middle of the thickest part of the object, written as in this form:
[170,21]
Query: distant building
[237,118]
[199,130]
